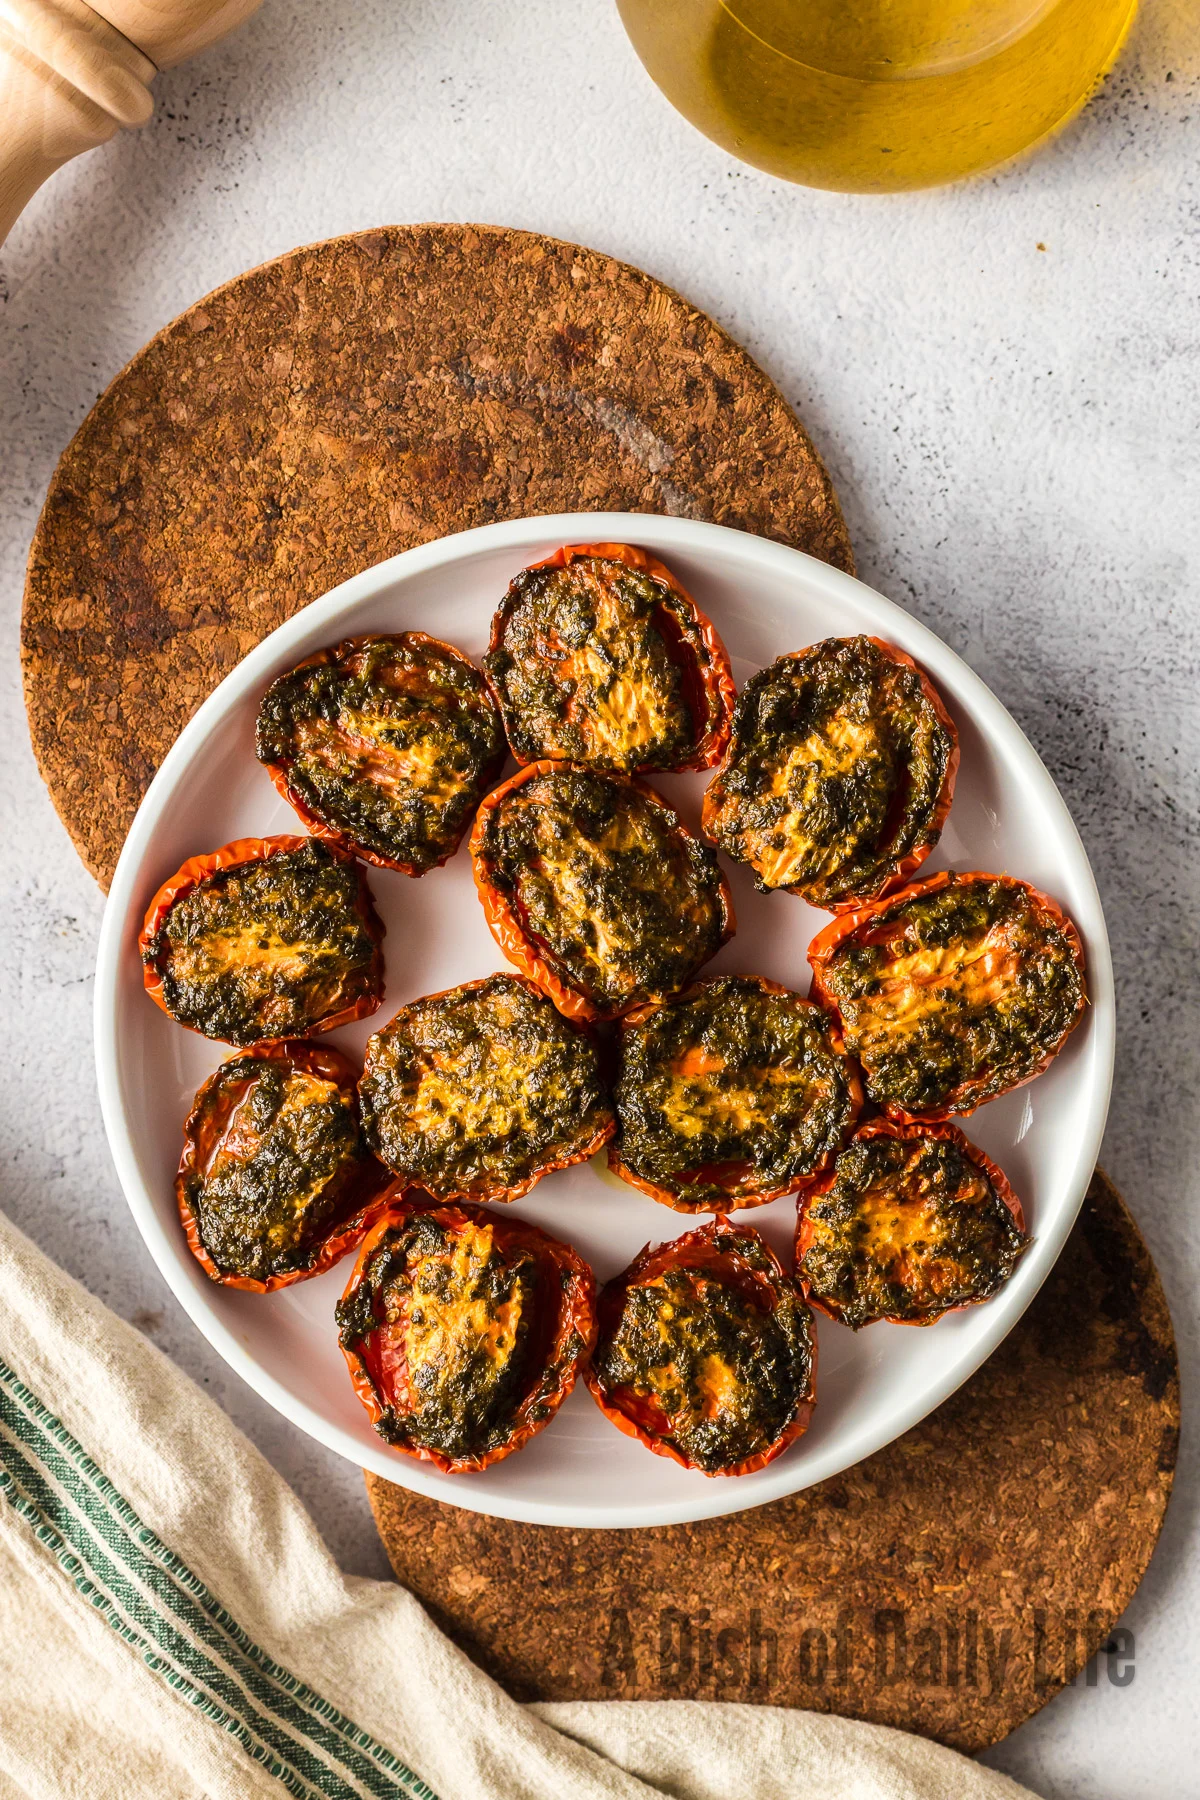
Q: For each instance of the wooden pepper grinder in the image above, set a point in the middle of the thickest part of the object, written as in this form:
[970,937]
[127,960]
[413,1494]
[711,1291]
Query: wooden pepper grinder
[70,77]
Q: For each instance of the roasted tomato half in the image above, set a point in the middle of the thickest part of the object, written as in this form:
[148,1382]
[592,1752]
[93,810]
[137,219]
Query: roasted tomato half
[707,1352]
[730,1094]
[593,887]
[913,1222]
[952,991]
[464,1331]
[276,1182]
[384,745]
[480,1091]
[839,774]
[266,938]
[600,657]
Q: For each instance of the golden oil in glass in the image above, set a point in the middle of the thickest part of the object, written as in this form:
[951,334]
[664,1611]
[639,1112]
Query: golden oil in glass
[872,95]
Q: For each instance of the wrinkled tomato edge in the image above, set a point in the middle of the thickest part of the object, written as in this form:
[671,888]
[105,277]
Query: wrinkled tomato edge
[910,1131]
[696,1249]
[518,945]
[718,1173]
[671,1196]
[364,1191]
[830,938]
[333,834]
[496,1192]
[714,682]
[197,869]
[576,1316]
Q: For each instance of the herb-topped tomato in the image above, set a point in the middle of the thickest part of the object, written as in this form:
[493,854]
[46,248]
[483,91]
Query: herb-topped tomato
[384,745]
[730,1094]
[952,991]
[464,1332]
[839,774]
[275,1183]
[706,1352]
[600,657]
[266,938]
[593,887]
[483,1089]
[913,1222]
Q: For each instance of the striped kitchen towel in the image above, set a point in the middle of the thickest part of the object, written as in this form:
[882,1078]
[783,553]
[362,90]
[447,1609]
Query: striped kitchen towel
[172,1627]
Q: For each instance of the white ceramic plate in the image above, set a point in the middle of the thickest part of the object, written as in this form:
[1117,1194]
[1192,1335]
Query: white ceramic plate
[764,599]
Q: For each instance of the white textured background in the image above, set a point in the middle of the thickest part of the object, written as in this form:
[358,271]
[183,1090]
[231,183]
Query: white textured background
[1014,436]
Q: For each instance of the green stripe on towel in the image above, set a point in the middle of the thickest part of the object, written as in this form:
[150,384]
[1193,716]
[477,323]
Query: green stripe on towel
[183,1633]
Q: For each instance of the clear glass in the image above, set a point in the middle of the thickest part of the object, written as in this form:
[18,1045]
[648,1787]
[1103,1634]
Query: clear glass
[872,95]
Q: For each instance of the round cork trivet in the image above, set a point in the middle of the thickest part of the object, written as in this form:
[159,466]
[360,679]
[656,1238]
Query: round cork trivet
[342,404]
[949,1585]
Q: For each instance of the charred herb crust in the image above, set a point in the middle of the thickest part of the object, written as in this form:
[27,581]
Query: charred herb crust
[475,1314]
[269,948]
[908,1229]
[586,672]
[950,997]
[730,1073]
[726,1363]
[834,772]
[392,743]
[481,1088]
[265,1191]
[607,884]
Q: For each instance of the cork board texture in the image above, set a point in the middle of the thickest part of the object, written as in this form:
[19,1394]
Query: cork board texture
[340,405]
[949,1585]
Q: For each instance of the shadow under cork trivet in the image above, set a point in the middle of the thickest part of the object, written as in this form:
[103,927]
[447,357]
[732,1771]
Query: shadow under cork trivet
[949,1585]
[330,409]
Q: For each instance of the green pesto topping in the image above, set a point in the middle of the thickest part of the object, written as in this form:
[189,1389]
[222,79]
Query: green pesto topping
[727,1074]
[478,1089]
[584,672]
[909,1229]
[953,996]
[726,1372]
[392,743]
[467,1317]
[835,768]
[286,1145]
[614,892]
[267,949]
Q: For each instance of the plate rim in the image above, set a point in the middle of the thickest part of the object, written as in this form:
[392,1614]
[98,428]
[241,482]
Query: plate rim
[710,1499]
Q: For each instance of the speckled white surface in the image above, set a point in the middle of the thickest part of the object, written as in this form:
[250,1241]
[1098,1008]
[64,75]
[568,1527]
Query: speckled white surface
[1013,433]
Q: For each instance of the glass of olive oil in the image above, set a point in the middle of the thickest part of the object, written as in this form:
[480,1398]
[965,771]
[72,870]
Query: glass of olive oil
[872,95]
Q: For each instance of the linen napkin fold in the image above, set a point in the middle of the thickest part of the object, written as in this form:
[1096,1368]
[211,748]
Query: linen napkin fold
[173,1628]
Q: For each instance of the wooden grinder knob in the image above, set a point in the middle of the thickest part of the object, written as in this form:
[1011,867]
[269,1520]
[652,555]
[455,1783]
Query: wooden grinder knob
[70,77]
